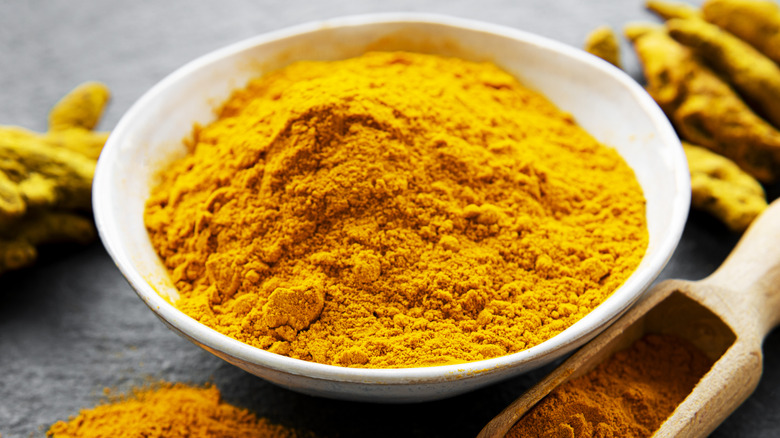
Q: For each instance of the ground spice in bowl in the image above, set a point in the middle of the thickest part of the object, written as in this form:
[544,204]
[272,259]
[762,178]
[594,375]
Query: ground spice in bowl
[169,410]
[395,210]
[630,394]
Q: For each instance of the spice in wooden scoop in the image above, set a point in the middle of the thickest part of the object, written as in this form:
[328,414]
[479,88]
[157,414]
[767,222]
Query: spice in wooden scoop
[630,394]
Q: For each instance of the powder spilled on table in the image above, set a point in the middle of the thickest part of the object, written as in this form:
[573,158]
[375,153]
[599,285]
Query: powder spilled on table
[395,210]
[170,411]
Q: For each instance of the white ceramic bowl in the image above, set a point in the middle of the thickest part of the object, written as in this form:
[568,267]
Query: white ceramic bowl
[605,101]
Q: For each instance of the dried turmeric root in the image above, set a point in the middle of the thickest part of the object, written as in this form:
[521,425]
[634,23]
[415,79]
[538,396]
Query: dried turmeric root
[45,179]
[603,43]
[721,188]
[81,108]
[38,176]
[756,22]
[672,9]
[703,108]
[17,246]
[751,73]
[73,118]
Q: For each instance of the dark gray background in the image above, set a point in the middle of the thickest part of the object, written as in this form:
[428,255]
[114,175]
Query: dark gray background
[71,325]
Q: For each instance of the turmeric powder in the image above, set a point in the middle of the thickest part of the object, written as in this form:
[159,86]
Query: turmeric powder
[628,395]
[170,411]
[395,210]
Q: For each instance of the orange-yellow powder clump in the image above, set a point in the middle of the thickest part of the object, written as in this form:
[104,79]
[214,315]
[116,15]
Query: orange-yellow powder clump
[629,395]
[170,411]
[395,210]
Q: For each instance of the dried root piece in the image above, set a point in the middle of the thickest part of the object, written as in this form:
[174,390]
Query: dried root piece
[704,109]
[12,204]
[672,9]
[53,170]
[45,179]
[636,30]
[750,72]
[721,188]
[18,242]
[603,43]
[81,108]
[755,21]
[38,176]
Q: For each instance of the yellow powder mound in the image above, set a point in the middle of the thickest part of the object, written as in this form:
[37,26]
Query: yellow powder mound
[395,210]
[170,411]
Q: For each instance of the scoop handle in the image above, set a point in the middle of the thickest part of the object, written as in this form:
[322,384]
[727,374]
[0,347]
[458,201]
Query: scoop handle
[751,273]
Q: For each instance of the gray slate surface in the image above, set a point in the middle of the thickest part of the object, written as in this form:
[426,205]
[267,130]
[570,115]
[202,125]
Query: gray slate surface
[71,326]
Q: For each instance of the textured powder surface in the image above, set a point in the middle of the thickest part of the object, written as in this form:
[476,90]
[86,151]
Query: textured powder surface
[73,325]
[170,411]
[629,395]
[395,210]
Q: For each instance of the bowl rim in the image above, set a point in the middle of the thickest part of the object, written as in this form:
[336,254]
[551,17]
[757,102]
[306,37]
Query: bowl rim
[584,328]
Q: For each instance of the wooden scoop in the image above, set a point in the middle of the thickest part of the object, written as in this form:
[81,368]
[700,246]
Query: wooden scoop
[726,315]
